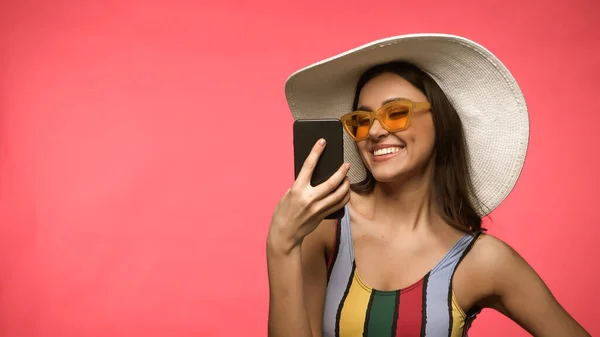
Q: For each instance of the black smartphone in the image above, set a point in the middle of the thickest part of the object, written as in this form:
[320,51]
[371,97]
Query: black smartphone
[306,133]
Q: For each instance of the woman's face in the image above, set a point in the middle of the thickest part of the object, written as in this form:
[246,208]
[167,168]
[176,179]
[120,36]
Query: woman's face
[393,156]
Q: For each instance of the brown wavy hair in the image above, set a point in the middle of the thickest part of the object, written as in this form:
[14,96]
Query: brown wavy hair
[451,176]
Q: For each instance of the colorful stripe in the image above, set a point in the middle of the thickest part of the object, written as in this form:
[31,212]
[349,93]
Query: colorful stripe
[427,309]
[372,313]
[382,313]
[353,313]
[458,318]
[340,275]
[410,313]
[439,308]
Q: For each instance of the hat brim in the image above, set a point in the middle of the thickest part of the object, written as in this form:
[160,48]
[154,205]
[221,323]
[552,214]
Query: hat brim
[481,89]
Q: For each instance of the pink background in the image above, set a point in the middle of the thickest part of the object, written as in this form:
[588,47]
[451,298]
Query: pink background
[144,144]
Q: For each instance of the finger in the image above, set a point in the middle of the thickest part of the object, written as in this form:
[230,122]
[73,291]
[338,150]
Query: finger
[311,162]
[337,206]
[333,182]
[334,198]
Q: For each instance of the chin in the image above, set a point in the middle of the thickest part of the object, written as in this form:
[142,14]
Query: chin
[396,170]
[387,174]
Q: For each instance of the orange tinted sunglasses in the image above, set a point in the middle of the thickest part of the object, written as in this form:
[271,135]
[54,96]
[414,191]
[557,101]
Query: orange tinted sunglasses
[393,116]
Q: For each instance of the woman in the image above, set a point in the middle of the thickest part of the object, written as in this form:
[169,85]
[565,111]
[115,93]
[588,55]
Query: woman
[436,136]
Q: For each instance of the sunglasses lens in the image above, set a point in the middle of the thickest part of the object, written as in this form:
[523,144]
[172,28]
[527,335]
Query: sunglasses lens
[396,117]
[358,124]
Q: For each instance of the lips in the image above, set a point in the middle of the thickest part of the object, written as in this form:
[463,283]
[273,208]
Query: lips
[383,152]
[382,149]
[387,150]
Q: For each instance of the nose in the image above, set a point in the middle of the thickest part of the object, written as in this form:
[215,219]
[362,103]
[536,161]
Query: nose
[377,131]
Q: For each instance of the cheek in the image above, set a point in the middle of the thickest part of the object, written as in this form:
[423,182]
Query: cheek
[422,139]
[428,137]
[362,147]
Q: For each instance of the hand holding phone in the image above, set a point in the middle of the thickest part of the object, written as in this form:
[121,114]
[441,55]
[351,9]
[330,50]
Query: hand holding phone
[304,206]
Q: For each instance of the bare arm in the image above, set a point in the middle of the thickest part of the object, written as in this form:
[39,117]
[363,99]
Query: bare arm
[298,281]
[295,250]
[521,295]
[287,307]
[314,267]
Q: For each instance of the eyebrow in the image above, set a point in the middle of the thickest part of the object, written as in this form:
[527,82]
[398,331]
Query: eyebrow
[365,108]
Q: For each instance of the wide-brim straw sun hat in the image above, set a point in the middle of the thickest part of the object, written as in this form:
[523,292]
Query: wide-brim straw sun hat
[485,94]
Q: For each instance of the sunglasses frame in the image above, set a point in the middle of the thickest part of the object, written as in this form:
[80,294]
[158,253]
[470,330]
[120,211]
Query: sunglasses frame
[379,115]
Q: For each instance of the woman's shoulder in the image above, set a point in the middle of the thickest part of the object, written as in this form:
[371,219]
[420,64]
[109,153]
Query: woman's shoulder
[480,274]
[491,260]
[489,250]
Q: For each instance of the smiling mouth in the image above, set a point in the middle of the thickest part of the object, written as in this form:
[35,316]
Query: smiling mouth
[387,150]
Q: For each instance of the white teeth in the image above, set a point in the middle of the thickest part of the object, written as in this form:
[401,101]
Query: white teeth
[386,150]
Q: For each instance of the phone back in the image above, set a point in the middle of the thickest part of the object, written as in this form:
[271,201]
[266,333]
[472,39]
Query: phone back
[306,133]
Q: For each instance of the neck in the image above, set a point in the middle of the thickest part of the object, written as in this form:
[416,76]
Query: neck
[408,203]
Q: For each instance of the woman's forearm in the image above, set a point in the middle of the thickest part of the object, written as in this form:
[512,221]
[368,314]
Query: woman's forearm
[287,308]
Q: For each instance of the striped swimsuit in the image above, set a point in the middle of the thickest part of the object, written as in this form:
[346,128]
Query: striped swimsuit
[427,308]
